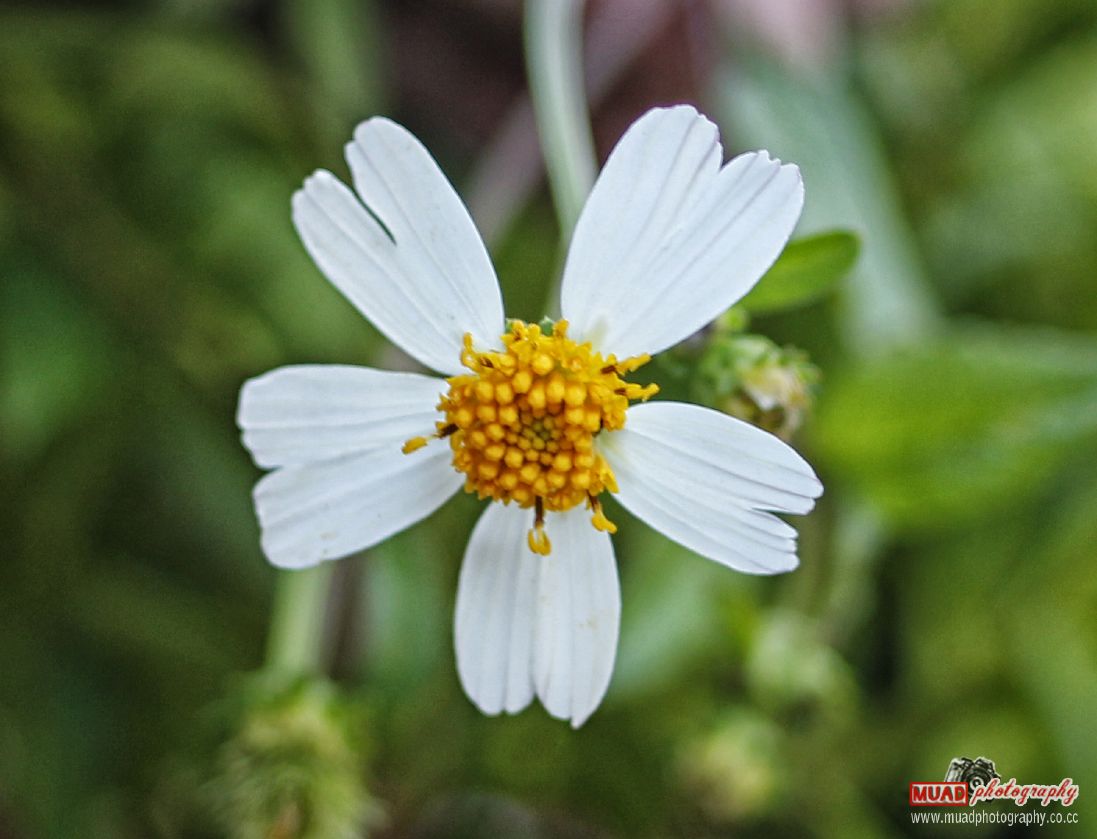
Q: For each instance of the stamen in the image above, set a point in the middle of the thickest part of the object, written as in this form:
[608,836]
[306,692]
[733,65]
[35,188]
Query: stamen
[522,422]
[599,519]
[537,538]
[414,444]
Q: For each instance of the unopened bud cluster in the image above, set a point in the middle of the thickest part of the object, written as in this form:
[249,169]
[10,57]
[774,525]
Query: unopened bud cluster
[750,377]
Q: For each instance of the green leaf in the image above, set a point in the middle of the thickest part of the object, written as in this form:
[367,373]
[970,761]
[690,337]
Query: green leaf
[808,269]
[977,420]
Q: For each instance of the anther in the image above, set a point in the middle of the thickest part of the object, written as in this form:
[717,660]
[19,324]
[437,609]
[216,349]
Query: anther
[413,445]
[416,443]
[537,539]
[522,423]
[599,519]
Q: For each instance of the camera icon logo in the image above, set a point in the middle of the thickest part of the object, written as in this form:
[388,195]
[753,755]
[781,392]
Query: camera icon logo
[974,773]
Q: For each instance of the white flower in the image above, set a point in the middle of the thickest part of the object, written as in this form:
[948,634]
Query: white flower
[667,241]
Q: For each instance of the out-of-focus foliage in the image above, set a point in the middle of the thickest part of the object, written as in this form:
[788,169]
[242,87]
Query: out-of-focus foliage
[147,267]
[946,599]
[981,421]
[956,434]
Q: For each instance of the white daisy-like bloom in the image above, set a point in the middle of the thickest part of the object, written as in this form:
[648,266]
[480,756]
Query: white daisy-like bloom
[538,421]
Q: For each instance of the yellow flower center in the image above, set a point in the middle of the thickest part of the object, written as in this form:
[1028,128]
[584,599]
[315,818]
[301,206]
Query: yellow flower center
[522,423]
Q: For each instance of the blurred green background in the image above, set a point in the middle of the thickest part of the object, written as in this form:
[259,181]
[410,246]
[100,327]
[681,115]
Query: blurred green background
[946,600]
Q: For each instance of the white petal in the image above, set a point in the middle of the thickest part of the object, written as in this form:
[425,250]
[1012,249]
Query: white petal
[307,413]
[437,242]
[496,607]
[668,240]
[528,624]
[423,278]
[706,480]
[578,615]
[313,512]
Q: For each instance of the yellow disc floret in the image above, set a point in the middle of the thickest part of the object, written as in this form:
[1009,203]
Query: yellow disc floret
[522,423]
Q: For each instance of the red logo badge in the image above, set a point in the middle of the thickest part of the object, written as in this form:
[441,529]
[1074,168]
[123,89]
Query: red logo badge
[938,794]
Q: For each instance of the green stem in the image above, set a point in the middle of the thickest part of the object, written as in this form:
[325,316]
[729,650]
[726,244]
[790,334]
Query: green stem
[554,39]
[295,643]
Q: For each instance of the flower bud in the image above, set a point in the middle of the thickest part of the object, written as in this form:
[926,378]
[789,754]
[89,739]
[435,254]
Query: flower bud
[735,770]
[293,770]
[750,377]
[793,672]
